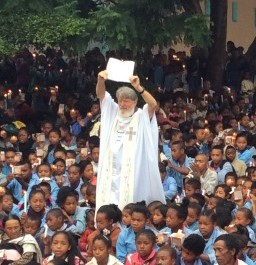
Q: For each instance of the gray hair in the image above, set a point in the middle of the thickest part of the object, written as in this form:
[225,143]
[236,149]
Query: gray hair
[125,92]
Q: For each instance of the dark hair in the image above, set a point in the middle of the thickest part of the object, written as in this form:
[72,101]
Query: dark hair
[242,134]
[72,152]
[7,193]
[54,130]
[195,206]
[60,149]
[250,170]
[181,144]
[89,212]
[83,164]
[181,208]
[230,241]
[218,147]
[247,213]
[231,174]
[224,216]
[65,192]
[56,212]
[242,236]
[73,251]
[129,207]
[148,233]
[226,189]
[200,198]
[44,164]
[194,183]
[162,168]
[171,250]
[219,201]
[10,217]
[162,209]
[58,261]
[35,190]
[106,240]
[210,214]
[59,160]
[112,212]
[91,189]
[34,218]
[46,185]
[139,208]
[195,244]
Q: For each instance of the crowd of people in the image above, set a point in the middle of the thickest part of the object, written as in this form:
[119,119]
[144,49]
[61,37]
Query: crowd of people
[50,122]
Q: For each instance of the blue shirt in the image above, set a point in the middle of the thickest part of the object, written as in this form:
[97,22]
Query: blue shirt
[175,174]
[208,250]
[170,187]
[222,170]
[78,188]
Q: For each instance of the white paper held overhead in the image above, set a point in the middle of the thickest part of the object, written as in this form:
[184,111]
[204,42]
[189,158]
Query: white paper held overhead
[120,71]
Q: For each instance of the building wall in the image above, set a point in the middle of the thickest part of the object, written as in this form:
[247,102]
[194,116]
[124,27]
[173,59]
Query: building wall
[243,31]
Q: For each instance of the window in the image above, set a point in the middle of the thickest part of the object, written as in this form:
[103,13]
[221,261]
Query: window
[234,11]
[207,7]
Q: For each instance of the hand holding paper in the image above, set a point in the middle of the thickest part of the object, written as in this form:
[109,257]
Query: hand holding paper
[120,71]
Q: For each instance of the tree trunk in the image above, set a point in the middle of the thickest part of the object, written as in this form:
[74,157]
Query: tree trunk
[216,59]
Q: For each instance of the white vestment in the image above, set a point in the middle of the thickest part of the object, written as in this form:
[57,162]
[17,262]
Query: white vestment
[128,163]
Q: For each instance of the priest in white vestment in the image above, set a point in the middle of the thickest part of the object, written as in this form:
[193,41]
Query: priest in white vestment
[128,163]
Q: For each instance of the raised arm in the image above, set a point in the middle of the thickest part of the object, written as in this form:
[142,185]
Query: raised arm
[149,99]
[100,87]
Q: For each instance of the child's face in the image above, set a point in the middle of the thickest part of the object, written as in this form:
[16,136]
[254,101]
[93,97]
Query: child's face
[32,158]
[31,227]
[144,246]
[54,222]
[138,221]
[46,192]
[220,193]
[205,226]
[95,154]
[239,183]
[216,156]
[60,154]
[83,192]
[240,219]
[172,219]
[189,190]
[7,203]
[163,257]
[241,143]
[22,136]
[100,251]
[230,154]
[26,172]
[73,174]
[37,202]
[46,128]
[246,189]
[230,181]
[188,256]
[44,171]
[126,217]
[253,176]
[158,217]
[192,216]
[103,222]
[54,138]
[60,168]
[70,205]
[90,222]
[88,172]
[92,198]
[212,203]
[10,157]
[60,246]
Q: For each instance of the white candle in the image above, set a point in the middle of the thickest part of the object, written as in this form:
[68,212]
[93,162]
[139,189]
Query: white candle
[222,98]
[202,82]
[45,230]
[232,98]
[205,96]
[187,101]
[25,201]
[239,126]
[191,100]
[19,91]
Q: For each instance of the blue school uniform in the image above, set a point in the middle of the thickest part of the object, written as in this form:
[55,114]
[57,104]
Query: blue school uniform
[15,210]
[208,250]
[193,227]
[126,243]
[78,188]
[79,219]
[170,187]
[246,155]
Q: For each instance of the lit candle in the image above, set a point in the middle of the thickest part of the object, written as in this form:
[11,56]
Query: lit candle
[185,115]
[25,201]
[61,70]
[232,98]
[191,100]
[229,89]
[205,96]
[19,91]
[174,57]
[36,88]
[184,66]
[57,88]
[9,94]
[239,126]
[187,101]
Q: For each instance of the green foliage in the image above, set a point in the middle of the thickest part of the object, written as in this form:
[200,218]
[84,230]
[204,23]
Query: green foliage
[197,31]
